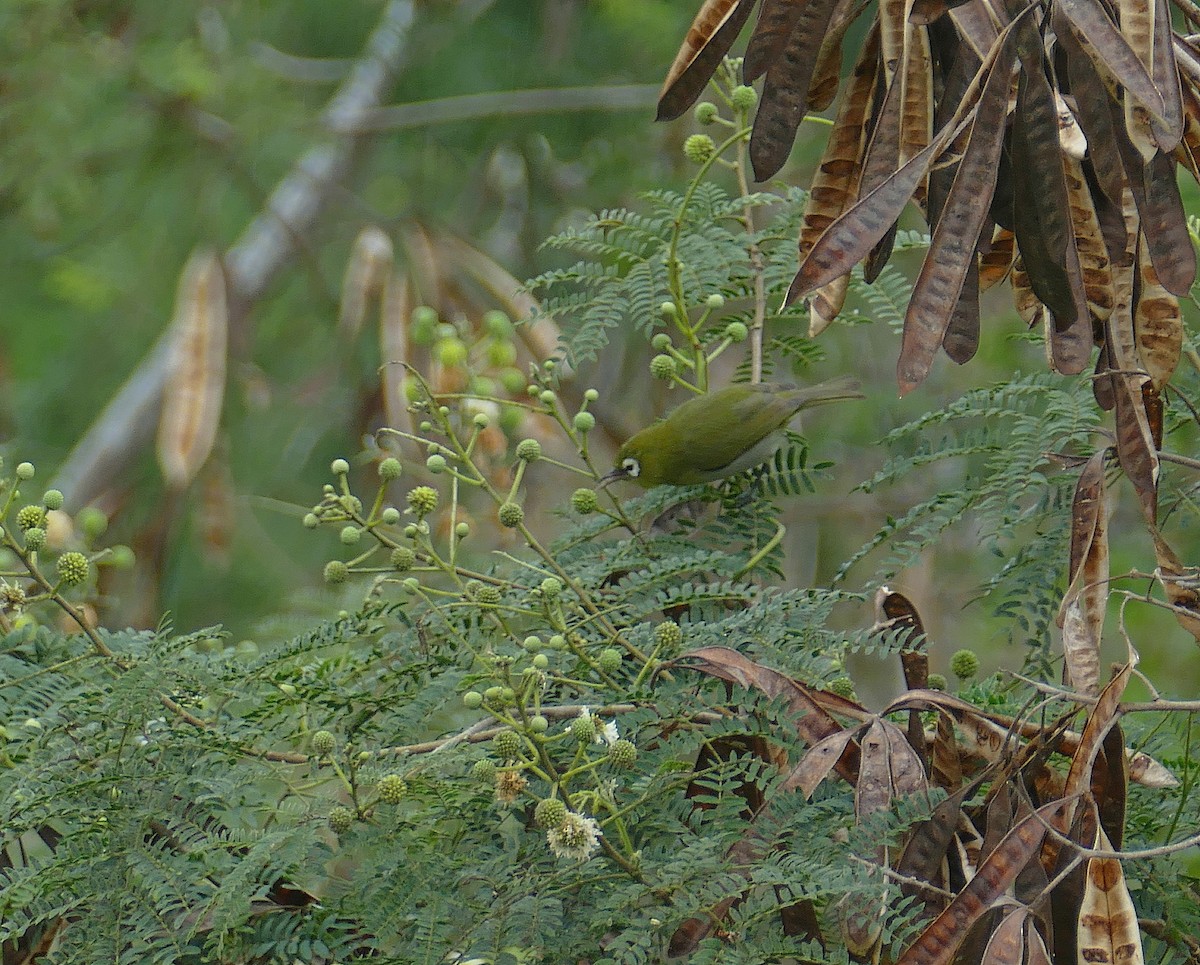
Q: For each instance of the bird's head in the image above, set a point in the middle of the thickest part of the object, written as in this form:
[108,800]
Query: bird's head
[635,461]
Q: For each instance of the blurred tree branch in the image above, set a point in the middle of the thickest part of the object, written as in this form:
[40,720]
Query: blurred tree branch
[128,422]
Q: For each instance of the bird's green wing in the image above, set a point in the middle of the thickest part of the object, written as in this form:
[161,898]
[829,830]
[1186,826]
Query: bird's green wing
[714,430]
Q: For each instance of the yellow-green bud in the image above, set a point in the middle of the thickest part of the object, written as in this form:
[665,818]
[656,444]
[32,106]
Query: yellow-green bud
[488,596]
[609,660]
[336,572]
[436,463]
[548,397]
[550,813]
[551,587]
[424,324]
[311,521]
[507,745]
[843,687]
[744,98]
[390,516]
[339,467]
[323,743]
[73,568]
[35,538]
[964,664]
[390,469]
[622,753]
[92,521]
[497,324]
[392,788]
[715,301]
[584,501]
[937,681]
[403,558]
[423,499]
[591,395]
[584,422]
[350,535]
[484,771]
[668,310]
[52,499]
[583,729]
[511,515]
[30,516]
[667,635]
[341,820]
[661,342]
[538,724]
[451,352]
[540,661]
[529,450]
[531,644]
[705,112]
[473,700]
[663,367]
[699,148]
[411,585]
[737,332]
[25,470]
[462,530]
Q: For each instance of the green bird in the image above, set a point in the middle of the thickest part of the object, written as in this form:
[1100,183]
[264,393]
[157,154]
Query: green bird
[721,433]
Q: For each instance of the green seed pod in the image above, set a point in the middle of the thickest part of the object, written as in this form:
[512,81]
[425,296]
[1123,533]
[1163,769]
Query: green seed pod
[390,469]
[392,788]
[336,572]
[511,515]
[584,501]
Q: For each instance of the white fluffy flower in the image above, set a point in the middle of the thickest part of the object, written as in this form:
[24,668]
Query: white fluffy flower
[578,837]
[608,734]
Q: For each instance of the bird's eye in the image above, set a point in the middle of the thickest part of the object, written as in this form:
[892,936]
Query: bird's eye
[631,468]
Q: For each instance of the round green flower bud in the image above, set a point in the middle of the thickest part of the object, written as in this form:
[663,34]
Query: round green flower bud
[548,397]
[390,516]
[436,463]
[937,681]
[538,724]
[622,753]
[390,469]
[25,470]
[715,301]
[513,381]
[668,310]
[424,324]
[411,531]
[426,425]
[584,501]
[843,687]
[484,771]
[705,113]
[411,585]
[511,515]
[497,324]
[591,395]
[73,568]
[462,530]
[550,813]
[584,422]
[451,352]
[529,450]
[392,788]
[336,572]
[339,467]
[493,694]
[35,538]
[489,596]
[481,420]
[609,660]
[663,367]
[737,332]
[661,342]
[402,559]
[551,587]
[30,516]
[583,729]
[550,365]
[323,743]
[92,521]
[557,642]
[699,148]
[744,98]
[350,535]
[311,521]
[121,557]
[52,499]
[341,820]
[501,354]
[540,661]
[423,499]
[507,696]
[667,635]
[507,745]
[964,664]
[473,699]
[531,644]
[532,390]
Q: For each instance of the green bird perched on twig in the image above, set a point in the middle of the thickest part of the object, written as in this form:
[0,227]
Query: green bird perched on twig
[721,433]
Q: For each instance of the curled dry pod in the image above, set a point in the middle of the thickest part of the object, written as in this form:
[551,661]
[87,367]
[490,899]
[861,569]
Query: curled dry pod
[194,389]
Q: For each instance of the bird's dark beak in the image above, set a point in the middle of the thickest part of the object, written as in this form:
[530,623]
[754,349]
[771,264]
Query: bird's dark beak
[612,477]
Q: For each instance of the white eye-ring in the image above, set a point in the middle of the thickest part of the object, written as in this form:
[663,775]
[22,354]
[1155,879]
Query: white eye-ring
[631,467]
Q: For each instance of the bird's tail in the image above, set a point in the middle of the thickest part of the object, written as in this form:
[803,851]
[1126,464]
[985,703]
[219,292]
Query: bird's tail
[834,390]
